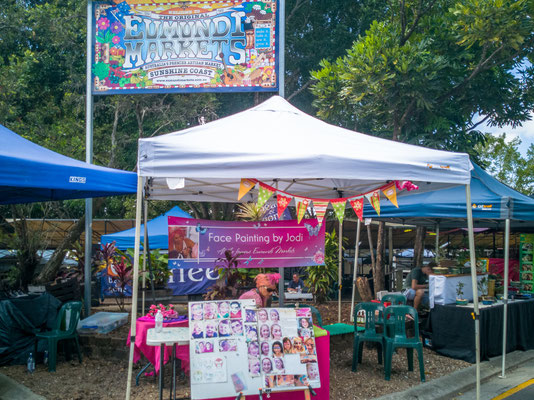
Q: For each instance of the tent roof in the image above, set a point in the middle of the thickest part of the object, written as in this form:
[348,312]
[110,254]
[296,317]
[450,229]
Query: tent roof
[29,173]
[276,142]
[158,232]
[491,201]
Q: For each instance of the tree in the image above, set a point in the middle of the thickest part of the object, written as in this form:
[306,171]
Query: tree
[503,160]
[425,71]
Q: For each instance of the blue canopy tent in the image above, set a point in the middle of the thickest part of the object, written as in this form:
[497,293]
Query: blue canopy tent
[492,203]
[158,232]
[31,173]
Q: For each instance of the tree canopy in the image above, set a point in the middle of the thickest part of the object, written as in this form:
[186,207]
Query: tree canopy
[432,71]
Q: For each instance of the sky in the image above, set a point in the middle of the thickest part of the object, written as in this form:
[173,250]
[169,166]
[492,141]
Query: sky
[525,133]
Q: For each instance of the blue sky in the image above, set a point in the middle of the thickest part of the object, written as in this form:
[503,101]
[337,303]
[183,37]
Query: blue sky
[525,133]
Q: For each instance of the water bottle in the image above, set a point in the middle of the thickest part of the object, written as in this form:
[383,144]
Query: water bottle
[30,364]
[159,321]
[45,359]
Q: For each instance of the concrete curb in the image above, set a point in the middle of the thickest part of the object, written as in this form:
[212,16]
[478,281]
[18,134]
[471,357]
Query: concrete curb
[446,387]
[12,390]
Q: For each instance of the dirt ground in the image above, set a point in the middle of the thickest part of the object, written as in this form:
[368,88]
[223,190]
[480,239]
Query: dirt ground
[104,379]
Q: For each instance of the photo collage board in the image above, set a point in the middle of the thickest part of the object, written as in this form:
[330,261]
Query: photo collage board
[236,347]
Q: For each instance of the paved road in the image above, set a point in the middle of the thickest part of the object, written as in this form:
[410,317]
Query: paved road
[518,385]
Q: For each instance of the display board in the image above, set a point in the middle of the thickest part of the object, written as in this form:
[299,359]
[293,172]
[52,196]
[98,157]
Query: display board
[238,348]
[526,268]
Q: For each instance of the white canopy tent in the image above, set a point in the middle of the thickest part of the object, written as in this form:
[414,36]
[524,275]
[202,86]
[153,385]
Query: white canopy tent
[280,145]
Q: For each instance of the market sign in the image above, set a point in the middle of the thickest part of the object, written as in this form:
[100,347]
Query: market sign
[195,243]
[185,46]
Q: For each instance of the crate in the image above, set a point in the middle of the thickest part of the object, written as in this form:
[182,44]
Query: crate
[102,322]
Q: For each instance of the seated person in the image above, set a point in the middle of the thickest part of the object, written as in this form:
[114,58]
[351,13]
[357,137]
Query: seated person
[296,284]
[415,284]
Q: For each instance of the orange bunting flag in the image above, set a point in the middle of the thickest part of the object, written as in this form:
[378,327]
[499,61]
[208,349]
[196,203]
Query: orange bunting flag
[282,202]
[374,199]
[320,209]
[339,208]
[357,205]
[265,192]
[245,187]
[391,193]
[302,204]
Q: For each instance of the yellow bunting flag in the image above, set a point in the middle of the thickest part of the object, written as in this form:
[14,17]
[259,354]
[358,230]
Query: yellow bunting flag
[302,204]
[320,209]
[245,186]
[374,199]
[339,208]
[282,202]
[357,205]
[391,193]
[265,192]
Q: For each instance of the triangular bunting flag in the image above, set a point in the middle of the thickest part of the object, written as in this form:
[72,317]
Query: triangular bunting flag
[282,202]
[320,209]
[265,192]
[374,199]
[391,193]
[245,186]
[357,205]
[339,208]
[302,205]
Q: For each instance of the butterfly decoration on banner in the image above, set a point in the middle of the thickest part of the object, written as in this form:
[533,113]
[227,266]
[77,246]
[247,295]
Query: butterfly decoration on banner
[283,199]
[200,229]
[312,230]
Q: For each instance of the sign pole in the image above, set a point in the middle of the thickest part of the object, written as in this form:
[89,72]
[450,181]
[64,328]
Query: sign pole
[281,93]
[88,158]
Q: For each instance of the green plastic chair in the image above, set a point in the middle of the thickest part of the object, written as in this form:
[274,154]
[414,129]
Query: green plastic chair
[315,312]
[65,328]
[369,334]
[395,299]
[396,338]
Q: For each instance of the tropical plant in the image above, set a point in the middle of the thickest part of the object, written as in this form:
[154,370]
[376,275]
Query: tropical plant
[459,290]
[250,212]
[159,263]
[231,278]
[123,278]
[482,286]
[321,278]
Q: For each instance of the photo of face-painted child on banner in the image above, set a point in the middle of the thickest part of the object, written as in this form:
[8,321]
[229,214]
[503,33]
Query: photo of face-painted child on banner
[196,243]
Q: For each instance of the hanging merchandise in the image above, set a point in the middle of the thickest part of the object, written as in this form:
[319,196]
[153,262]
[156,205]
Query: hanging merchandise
[245,187]
[391,193]
[357,205]
[374,199]
[266,191]
[302,204]
[339,208]
[320,207]
[282,202]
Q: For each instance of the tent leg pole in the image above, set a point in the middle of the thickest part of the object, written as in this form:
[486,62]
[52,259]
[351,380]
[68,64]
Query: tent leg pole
[506,273]
[355,272]
[474,283]
[437,243]
[390,258]
[281,287]
[143,291]
[340,272]
[138,207]
[148,258]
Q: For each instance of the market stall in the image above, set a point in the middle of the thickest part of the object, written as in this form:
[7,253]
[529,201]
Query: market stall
[317,162]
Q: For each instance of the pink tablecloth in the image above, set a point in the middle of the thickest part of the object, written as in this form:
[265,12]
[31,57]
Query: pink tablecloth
[152,353]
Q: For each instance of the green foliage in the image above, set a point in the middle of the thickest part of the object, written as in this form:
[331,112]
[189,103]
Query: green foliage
[503,160]
[459,290]
[158,261]
[426,70]
[320,278]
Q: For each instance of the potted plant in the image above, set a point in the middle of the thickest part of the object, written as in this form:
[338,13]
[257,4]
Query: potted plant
[460,293]
[483,291]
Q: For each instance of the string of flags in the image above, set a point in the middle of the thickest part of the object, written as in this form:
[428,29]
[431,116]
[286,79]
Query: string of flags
[283,199]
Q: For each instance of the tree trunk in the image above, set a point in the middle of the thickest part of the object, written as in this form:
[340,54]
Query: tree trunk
[419,246]
[49,271]
[378,274]
[364,289]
